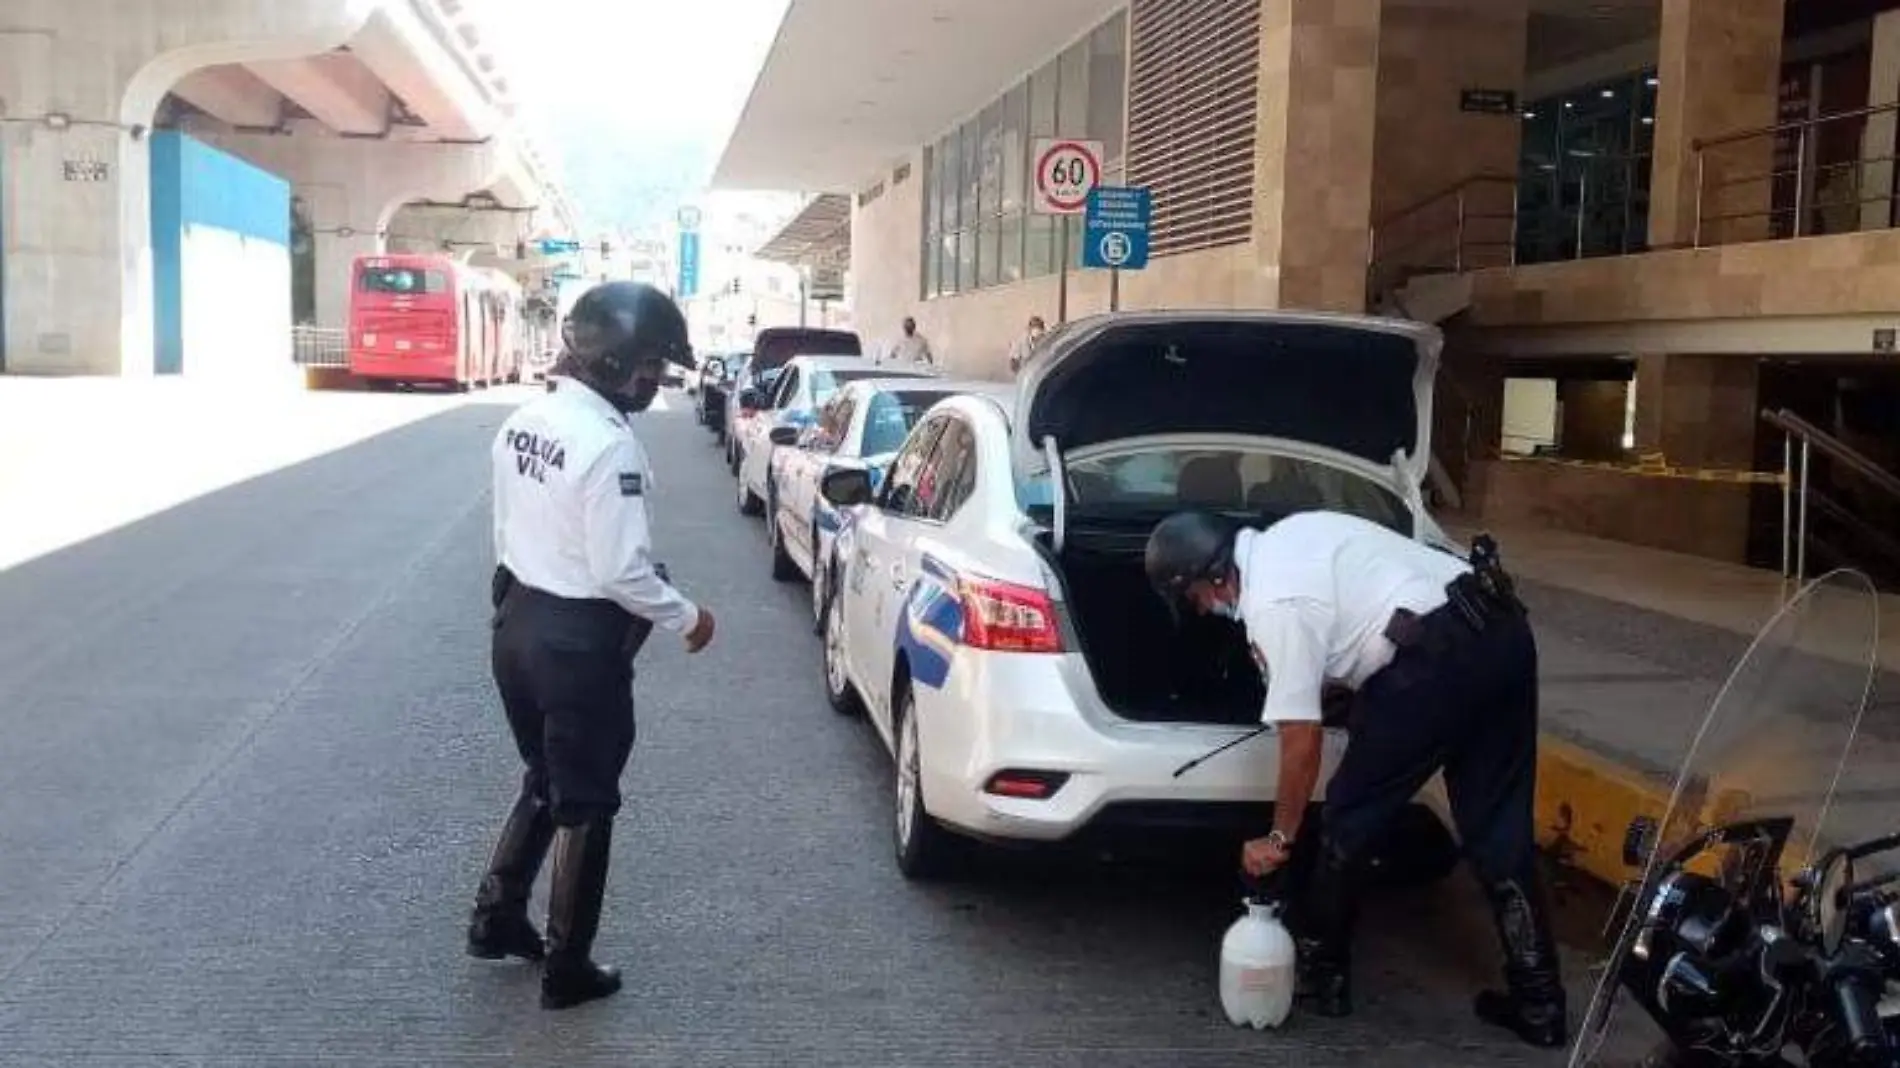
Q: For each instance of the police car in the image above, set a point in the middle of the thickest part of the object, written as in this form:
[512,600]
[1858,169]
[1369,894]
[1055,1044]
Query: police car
[988,608]
[804,386]
[861,427]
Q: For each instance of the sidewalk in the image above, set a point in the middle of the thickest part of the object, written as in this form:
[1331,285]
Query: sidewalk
[1636,644]
[81,456]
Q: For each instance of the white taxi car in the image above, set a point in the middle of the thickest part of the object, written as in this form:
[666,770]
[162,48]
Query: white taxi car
[988,608]
[801,389]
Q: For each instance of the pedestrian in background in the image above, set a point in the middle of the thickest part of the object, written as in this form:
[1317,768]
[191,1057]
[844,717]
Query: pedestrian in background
[1019,352]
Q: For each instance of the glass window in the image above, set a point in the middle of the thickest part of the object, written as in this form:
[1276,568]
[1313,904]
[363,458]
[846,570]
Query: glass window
[401,281]
[948,182]
[966,260]
[787,388]
[972,162]
[1042,109]
[1163,480]
[991,176]
[898,495]
[1039,248]
[1015,149]
[933,207]
[1010,236]
[988,267]
[825,381]
[1108,84]
[1072,98]
[889,418]
[951,476]
[933,255]
[949,260]
[832,425]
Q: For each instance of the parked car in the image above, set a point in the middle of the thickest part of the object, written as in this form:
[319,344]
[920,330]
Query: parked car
[862,426]
[802,387]
[715,370]
[772,349]
[987,604]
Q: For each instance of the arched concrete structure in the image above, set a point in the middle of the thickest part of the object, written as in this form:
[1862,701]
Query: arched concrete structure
[79,191]
[352,190]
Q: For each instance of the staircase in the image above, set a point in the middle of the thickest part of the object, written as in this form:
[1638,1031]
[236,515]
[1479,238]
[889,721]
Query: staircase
[1419,265]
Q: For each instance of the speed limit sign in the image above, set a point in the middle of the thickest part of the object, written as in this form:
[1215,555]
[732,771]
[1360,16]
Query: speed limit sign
[1065,172]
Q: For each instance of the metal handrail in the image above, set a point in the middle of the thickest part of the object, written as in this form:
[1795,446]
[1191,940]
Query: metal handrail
[1701,143]
[1794,518]
[1801,127]
[1459,186]
[1379,261]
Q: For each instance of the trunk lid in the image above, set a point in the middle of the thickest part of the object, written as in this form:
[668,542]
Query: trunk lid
[1356,385]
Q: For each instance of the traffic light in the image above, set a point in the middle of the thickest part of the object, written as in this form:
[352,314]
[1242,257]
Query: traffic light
[606,250]
[735,287]
[521,250]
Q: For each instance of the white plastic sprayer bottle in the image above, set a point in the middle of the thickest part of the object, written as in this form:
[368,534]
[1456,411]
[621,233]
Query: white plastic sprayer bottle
[1257,968]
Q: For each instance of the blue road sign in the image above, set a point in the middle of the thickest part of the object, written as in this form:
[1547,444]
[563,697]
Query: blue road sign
[689,263]
[555,247]
[1115,227]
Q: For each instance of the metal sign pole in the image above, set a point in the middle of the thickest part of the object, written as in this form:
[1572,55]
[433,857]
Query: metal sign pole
[1114,289]
[1062,262]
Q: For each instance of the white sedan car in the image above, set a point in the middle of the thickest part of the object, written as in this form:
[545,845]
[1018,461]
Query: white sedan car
[861,426]
[987,604]
[801,389]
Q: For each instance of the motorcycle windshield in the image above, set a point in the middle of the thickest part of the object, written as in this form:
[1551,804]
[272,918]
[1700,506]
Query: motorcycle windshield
[1773,752]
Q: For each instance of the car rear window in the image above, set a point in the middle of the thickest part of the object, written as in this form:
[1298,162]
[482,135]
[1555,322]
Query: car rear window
[891,415]
[1230,480]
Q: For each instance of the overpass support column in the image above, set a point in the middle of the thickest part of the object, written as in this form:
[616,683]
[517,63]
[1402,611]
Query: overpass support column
[1718,73]
[75,174]
[353,188]
[1313,160]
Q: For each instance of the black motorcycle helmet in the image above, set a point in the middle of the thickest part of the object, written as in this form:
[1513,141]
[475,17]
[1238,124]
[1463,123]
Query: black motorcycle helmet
[1185,548]
[619,338]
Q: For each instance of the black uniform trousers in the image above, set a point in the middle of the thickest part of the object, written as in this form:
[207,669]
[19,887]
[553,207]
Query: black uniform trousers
[566,682]
[1455,699]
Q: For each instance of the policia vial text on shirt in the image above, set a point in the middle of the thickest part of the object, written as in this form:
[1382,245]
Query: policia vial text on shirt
[1442,663]
[576,593]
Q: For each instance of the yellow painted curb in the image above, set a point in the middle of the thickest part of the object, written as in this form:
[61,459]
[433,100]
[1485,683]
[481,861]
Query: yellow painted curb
[1585,804]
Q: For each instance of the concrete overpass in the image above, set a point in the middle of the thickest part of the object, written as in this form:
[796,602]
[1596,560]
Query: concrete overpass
[384,118]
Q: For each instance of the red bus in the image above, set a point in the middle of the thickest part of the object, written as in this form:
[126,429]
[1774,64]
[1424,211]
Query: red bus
[429,319]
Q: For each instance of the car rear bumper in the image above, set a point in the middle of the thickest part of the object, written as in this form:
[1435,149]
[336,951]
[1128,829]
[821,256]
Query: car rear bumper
[1000,712]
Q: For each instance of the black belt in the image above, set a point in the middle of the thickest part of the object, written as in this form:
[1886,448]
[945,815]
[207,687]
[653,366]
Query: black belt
[504,586]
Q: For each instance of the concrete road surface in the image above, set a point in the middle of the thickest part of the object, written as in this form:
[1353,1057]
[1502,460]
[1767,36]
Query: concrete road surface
[252,764]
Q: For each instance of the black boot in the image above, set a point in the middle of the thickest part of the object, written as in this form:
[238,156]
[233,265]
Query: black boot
[580,884]
[499,926]
[1324,939]
[1532,1004]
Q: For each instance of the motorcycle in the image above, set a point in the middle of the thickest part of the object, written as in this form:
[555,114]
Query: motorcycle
[1764,930]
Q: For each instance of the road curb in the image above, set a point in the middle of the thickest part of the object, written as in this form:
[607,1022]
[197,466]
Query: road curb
[1585,804]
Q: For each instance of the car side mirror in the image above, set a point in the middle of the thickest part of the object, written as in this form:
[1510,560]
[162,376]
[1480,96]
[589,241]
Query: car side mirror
[752,399]
[846,487]
[783,435]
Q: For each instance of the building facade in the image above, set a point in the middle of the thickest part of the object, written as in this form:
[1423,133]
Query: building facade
[1640,222]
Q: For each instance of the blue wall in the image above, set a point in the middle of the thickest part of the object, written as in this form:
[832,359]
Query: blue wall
[195,185]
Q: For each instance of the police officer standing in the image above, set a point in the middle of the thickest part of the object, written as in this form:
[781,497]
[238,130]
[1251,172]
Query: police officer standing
[576,594]
[1443,665]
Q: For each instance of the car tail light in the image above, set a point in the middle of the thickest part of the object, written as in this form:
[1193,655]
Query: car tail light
[1006,618]
[1030,785]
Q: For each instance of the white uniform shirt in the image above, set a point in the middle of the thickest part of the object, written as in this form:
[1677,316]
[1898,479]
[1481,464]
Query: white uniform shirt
[1316,592]
[912,349]
[571,484]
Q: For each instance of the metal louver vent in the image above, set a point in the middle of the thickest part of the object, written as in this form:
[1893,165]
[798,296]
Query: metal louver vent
[1193,79]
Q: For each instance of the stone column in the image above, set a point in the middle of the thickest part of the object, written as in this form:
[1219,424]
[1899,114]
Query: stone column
[1428,56]
[1698,411]
[1719,71]
[1878,143]
[1313,155]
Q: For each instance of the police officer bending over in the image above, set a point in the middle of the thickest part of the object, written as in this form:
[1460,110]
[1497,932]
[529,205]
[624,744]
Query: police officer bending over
[576,594]
[1444,668]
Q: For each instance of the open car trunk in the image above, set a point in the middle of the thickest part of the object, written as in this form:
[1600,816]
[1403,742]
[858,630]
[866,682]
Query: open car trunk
[1147,668]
